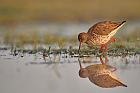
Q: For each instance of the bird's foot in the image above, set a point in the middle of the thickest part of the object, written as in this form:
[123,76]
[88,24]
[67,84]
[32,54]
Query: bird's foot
[102,60]
[105,61]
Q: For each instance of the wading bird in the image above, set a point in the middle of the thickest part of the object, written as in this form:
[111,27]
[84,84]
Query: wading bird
[101,75]
[100,34]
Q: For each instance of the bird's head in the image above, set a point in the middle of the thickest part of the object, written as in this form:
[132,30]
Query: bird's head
[82,37]
[83,73]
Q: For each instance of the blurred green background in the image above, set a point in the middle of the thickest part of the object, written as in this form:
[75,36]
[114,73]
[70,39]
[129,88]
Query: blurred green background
[68,10]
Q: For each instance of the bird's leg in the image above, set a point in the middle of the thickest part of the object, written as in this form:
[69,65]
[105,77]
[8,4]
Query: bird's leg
[101,48]
[105,54]
[102,60]
[106,59]
[104,48]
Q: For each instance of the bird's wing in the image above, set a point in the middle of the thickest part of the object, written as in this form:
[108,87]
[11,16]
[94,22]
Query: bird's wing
[104,28]
[105,81]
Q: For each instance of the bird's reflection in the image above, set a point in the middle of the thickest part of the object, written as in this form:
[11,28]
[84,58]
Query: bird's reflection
[101,75]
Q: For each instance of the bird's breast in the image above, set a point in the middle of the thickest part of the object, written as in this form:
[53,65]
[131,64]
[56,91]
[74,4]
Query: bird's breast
[98,39]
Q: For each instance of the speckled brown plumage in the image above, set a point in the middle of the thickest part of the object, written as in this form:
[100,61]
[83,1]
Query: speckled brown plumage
[104,28]
[102,76]
[105,81]
[100,34]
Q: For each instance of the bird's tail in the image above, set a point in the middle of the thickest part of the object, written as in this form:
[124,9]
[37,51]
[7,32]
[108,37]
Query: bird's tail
[121,84]
[123,22]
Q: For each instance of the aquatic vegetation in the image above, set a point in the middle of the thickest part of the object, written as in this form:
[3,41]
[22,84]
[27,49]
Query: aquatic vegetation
[126,45]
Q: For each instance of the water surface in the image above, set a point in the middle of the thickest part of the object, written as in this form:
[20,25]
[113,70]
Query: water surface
[30,74]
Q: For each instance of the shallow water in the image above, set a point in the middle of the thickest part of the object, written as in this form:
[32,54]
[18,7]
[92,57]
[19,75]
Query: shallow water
[30,74]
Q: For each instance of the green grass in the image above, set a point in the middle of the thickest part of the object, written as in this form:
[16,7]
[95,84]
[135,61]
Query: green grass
[126,46]
[21,39]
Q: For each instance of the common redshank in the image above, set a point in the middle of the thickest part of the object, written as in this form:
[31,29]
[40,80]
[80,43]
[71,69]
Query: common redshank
[100,75]
[100,34]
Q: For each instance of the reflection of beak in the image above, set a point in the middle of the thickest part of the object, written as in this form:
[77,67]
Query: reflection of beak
[79,63]
[79,47]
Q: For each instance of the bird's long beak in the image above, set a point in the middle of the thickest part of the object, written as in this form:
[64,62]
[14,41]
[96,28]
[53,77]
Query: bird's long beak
[79,63]
[79,47]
